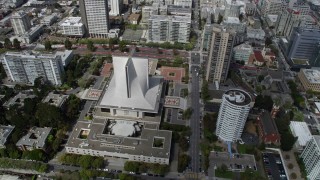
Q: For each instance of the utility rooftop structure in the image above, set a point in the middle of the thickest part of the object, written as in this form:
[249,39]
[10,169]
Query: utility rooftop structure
[131,92]
[35,139]
[5,131]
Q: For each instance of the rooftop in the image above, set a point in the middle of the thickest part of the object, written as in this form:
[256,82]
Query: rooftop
[36,137]
[4,134]
[18,99]
[100,138]
[233,20]
[72,21]
[301,130]
[238,97]
[55,99]
[317,140]
[272,17]
[134,17]
[131,87]
[269,126]
[258,56]
[312,75]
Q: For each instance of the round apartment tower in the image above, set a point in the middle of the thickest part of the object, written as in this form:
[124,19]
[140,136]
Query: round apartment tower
[233,113]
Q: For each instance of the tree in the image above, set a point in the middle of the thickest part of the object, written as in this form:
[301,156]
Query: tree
[7,43]
[112,42]
[250,174]
[183,162]
[48,115]
[47,45]
[98,162]
[1,45]
[91,46]
[122,46]
[183,144]
[68,44]
[16,44]
[220,19]
[131,166]
[287,141]
[205,91]
[268,41]
[85,161]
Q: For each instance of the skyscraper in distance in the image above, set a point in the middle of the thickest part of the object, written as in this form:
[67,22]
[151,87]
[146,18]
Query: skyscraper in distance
[95,17]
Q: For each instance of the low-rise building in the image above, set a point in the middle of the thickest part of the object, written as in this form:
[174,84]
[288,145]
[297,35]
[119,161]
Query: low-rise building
[49,20]
[5,132]
[311,158]
[57,100]
[310,79]
[302,132]
[35,139]
[267,128]
[134,18]
[72,26]
[19,99]
[125,139]
[242,52]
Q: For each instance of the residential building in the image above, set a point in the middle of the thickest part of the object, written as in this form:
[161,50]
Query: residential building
[288,20]
[309,22]
[310,79]
[235,24]
[54,99]
[134,18]
[232,115]
[95,17]
[147,12]
[233,8]
[49,20]
[303,44]
[254,35]
[267,128]
[270,7]
[25,67]
[30,36]
[34,139]
[250,8]
[72,26]
[116,7]
[126,119]
[179,10]
[301,6]
[183,3]
[272,20]
[301,131]
[20,22]
[5,132]
[18,100]
[242,52]
[163,28]
[219,44]
[311,158]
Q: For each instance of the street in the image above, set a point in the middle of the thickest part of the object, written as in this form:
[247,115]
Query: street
[194,149]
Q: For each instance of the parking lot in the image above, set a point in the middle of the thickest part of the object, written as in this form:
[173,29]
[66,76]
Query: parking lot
[235,162]
[273,166]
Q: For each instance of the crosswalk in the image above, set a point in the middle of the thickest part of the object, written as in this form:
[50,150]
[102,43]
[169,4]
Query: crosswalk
[192,176]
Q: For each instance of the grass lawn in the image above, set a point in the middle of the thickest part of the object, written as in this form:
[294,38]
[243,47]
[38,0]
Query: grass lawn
[226,174]
[245,149]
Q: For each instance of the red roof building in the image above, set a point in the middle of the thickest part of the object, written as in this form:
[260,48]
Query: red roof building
[268,131]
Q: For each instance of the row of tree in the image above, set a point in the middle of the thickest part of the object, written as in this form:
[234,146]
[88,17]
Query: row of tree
[84,161]
[15,44]
[143,167]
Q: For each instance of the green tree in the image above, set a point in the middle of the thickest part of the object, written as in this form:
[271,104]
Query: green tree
[250,174]
[123,46]
[205,91]
[16,44]
[98,162]
[47,45]
[112,42]
[85,161]
[68,44]
[131,166]
[287,141]
[183,162]
[91,46]
[268,41]
[7,43]
[183,144]
[220,19]
[72,107]
[49,115]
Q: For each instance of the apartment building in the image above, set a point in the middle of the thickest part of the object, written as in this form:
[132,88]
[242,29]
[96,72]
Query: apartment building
[162,28]
[310,79]
[219,44]
[289,19]
[271,7]
[95,17]
[25,67]
[116,7]
[311,158]
[233,115]
[72,26]
[20,22]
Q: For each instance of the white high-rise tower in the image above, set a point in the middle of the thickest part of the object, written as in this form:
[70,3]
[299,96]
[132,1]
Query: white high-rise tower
[116,7]
[233,114]
[20,22]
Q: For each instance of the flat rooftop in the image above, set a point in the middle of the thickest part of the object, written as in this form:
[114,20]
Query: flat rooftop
[96,138]
[312,75]
[72,21]
[301,130]
[35,137]
[4,133]
[18,99]
[55,99]
[172,73]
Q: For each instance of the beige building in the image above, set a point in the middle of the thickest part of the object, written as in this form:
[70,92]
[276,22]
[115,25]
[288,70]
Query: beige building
[310,79]
[220,44]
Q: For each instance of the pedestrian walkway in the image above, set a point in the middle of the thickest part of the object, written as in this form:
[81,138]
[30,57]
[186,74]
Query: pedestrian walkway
[289,158]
